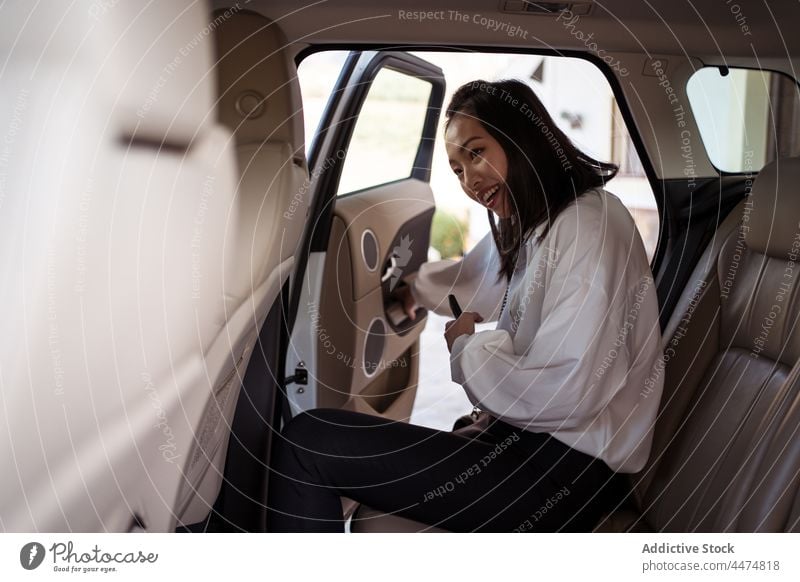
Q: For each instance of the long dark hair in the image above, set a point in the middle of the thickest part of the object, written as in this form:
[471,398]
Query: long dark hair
[545,170]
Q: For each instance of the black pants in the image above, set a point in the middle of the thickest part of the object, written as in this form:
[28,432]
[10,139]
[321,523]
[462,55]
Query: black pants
[505,479]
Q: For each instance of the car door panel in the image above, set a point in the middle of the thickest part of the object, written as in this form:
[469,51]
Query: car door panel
[364,362]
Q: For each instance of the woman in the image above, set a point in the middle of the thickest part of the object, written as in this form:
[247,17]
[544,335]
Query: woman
[562,377]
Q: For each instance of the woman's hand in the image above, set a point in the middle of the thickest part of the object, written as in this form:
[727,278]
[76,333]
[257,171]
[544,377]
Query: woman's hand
[404,296]
[465,324]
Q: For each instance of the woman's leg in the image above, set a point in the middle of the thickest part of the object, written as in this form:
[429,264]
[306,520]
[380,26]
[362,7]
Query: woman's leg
[509,480]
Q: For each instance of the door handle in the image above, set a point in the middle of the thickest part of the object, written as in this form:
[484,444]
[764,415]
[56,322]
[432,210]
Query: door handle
[390,269]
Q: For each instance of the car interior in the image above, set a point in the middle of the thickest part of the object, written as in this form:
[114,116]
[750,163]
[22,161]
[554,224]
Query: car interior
[184,272]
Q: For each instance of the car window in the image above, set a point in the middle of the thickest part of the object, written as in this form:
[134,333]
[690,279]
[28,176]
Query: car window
[746,117]
[387,133]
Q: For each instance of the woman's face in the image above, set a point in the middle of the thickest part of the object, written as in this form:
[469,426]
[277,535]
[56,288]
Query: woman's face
[479,162]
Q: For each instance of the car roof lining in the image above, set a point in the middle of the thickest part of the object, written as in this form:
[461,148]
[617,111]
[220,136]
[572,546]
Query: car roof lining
[616,25]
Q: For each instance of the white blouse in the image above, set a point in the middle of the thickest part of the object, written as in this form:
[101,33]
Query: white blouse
[577,350]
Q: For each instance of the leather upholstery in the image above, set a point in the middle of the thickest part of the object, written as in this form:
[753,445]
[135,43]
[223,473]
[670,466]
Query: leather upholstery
[112,300]
[367,519]
[772,502]
[150,242]
[774,220]
[733,342]
[259,102]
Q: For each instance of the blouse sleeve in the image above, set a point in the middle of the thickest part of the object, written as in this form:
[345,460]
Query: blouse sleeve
[473,280]
[551,383]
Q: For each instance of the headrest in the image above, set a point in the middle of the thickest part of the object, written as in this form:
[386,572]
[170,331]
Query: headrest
[257,82]
[773,211]
[143,67]
[158,66]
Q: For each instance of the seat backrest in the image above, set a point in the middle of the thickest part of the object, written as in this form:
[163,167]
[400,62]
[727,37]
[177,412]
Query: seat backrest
[114,212]
[259,103]
[728,352]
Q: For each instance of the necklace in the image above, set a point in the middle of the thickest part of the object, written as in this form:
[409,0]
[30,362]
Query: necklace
[508,285]
[505,298]
[476,411]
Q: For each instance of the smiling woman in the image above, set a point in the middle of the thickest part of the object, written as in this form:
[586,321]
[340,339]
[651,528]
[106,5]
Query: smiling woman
[574,264]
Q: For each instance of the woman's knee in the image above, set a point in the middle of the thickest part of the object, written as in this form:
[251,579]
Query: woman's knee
[296,445]
[311,428]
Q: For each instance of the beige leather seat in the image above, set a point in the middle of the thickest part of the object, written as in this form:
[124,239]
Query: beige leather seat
[764,492]
[259,102]
[726,453]
[772,501]
[366,519]
[116,198]
[150,240]
[723,457]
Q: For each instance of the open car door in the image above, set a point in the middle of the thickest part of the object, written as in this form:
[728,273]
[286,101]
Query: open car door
[370,177]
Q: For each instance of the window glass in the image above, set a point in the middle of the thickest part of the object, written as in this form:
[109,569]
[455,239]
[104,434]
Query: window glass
[388,132]
[746,117]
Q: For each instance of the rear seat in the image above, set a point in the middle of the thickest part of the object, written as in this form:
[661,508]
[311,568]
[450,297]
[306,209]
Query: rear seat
[726,452]
[772,502]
